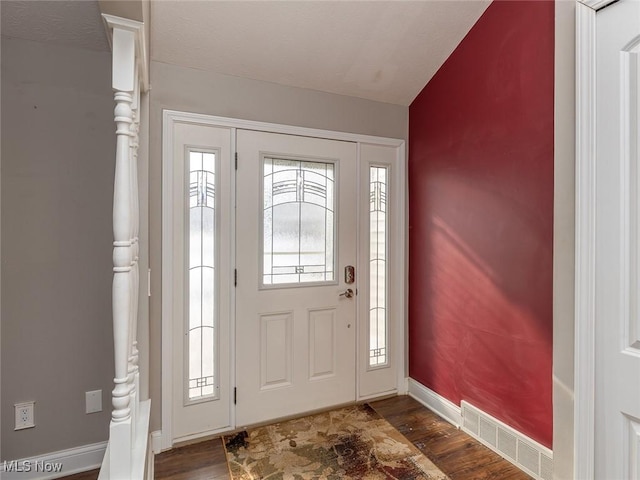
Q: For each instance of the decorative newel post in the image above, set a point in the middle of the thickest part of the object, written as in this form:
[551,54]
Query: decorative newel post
[122,434]
[129,428]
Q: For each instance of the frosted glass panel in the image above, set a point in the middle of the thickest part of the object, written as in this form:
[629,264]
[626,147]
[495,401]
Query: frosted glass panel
[202,287]
[298,222]
[378,228]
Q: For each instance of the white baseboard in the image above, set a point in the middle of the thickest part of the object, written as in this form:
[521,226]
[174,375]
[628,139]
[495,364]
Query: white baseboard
[56,464]
[525,453]
[436,403]
[150,470]
[156,442]
[405,386]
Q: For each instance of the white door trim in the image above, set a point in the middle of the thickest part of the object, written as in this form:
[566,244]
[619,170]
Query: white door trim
[172,117]
[202,119]
[585,217]
[167,282]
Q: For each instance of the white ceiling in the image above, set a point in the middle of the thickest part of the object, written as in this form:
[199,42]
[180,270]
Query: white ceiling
[380,50]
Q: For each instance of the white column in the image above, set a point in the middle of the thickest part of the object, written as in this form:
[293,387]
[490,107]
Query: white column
[122,257]
[128,432]
[124,217]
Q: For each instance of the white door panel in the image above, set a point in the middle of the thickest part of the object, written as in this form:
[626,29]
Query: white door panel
[295,332]
[617,403]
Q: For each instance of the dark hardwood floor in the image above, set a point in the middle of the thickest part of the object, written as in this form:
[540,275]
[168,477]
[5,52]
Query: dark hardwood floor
[91,475]
[453,451]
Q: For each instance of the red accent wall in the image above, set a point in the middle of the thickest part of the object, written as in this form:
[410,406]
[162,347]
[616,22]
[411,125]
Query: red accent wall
[481,220]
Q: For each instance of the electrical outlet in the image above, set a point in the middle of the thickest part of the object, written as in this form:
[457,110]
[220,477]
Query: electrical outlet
[25,415]
[93,401]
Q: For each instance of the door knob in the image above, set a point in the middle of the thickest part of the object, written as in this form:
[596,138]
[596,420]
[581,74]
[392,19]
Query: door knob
[348,293]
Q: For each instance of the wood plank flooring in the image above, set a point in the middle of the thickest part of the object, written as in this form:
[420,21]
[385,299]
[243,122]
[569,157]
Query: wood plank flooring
[90,475]
[453,451]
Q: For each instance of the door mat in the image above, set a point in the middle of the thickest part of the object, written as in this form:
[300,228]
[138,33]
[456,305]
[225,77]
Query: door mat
[348,443]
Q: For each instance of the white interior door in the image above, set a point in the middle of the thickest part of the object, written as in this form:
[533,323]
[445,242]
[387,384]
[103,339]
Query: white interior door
[296,233]
[617,402]
[200,240]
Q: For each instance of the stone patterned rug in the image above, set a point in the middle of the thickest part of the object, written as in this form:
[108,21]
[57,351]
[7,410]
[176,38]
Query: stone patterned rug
[348,443]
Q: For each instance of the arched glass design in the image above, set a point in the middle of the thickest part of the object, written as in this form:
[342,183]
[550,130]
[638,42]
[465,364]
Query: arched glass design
[202,278]
[298,226]
[378,250]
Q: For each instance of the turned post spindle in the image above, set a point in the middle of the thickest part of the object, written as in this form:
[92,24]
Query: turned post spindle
[122,257]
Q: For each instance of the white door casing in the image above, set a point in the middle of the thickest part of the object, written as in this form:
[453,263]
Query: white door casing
[371,151]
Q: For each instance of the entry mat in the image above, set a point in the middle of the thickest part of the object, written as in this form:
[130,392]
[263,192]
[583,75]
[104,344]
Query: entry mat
[348,443]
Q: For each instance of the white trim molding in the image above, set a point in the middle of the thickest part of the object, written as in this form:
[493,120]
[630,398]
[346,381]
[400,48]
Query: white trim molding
[156,442]
[166,440]
[202,119]
[401,273]
[56,464]
[596,5]
[585,269]
[435,402]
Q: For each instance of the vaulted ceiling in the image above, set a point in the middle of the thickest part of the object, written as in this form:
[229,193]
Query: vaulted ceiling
[380,50]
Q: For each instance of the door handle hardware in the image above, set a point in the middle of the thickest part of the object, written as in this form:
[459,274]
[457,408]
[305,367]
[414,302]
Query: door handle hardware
[348,293]
[349,274]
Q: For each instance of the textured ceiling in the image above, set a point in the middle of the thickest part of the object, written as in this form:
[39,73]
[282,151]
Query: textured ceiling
[63,22]
[383,50]
[380,50]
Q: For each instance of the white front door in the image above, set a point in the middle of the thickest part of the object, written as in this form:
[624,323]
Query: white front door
[295,314]
[617,396]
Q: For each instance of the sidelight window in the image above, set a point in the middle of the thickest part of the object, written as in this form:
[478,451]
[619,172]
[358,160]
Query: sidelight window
[378,254]
[201,334]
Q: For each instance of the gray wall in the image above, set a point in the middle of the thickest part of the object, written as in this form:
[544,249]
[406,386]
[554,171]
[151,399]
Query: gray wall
[191,90]
[58,157]
[563,241]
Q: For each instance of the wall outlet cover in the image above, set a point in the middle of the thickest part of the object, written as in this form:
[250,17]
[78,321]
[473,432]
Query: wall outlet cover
[93,401]
[25,415]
